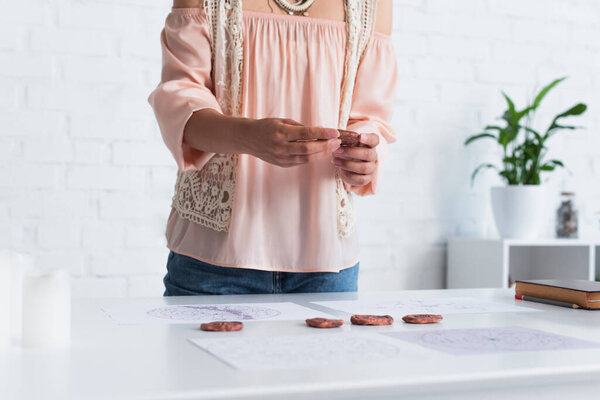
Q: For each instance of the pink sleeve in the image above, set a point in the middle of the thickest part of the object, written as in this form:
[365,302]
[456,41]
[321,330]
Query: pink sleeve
[186,84]
[373,102]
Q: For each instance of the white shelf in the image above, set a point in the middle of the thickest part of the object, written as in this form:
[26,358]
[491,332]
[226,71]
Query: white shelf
[488,262]
[538,242]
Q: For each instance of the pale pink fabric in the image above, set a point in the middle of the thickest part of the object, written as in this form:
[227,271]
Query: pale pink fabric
[283,219]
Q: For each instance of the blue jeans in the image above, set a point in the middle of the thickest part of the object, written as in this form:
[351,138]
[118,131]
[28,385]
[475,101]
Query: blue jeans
[187,276]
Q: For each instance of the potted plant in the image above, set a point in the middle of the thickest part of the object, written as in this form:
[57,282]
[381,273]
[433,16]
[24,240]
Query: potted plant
[518,206]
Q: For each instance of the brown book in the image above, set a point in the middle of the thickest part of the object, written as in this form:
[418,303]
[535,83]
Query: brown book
[585,294]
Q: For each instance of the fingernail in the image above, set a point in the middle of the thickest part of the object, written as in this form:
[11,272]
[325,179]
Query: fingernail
[337,161]
[339,150]
[333,133]
[362,138]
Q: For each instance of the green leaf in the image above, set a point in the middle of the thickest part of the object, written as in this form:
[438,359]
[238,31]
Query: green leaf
[557,163]
[479,168]
[511,104]
[544,92]
[577,109]
[536,134]
[523,113]
[479,136]
[510,115]
[493,128]
[540,97]
[506,136]
[569,127]
[551,165]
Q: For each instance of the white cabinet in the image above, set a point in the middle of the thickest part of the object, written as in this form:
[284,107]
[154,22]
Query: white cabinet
[486,263]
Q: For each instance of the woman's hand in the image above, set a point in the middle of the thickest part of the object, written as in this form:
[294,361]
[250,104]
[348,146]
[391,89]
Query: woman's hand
[287,143]
[282,142]
[358,164]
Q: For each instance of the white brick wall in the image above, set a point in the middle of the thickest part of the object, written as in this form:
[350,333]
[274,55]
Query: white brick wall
[455,57]
[85,180]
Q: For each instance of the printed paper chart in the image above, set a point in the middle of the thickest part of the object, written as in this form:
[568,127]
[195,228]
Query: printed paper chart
[303,351]
[197,313]
[443,306]
[491,340]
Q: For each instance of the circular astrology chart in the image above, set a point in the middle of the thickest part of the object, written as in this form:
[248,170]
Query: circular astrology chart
[213,312]
[492,340]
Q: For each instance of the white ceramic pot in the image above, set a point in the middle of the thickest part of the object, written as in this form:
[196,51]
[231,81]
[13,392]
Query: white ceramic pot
[519,210]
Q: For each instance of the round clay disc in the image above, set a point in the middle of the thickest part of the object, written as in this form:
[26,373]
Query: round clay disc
[371,319]
[422,318]
[222,326]
[324,322]
[349,138]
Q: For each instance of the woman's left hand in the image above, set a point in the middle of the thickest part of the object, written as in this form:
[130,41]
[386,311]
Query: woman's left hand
[358,164]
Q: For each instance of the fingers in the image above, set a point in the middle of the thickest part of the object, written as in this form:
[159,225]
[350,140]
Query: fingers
[369,139]
[296,153]
[356,153]
[295,132]
[357,167]
[355,179]
[358,164]
[295,160]
[313,147]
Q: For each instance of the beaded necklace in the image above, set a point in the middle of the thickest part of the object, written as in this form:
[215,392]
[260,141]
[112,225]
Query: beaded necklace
[299,7]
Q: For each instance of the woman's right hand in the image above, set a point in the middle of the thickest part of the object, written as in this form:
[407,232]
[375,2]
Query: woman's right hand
[282,142]
[287,143]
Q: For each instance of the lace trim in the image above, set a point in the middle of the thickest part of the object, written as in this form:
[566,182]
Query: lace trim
[206,196]
[226,27]
[359,25]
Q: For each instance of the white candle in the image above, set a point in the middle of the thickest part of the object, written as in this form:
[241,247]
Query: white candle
[5,300]
[46,310]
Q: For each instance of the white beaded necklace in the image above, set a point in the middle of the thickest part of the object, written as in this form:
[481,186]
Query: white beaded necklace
[300,6]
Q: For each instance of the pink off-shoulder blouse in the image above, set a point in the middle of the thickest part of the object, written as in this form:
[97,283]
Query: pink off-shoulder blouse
[283,219]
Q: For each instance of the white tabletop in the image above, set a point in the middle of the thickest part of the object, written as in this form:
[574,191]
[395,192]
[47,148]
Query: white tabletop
[106,360]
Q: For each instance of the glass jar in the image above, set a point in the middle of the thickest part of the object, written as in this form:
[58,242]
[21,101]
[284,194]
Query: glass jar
[567,216]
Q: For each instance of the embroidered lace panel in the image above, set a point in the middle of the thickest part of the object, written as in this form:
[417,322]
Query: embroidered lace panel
[206,196]
[359,23]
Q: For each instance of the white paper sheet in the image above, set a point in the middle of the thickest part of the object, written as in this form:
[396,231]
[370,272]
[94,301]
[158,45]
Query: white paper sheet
[303,351]
[197,313]
[491,340]
[443,306]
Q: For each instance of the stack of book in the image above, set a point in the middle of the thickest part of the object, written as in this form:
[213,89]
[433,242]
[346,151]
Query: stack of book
[566,293]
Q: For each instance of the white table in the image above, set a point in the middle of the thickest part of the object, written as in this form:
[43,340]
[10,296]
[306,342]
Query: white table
[110,361]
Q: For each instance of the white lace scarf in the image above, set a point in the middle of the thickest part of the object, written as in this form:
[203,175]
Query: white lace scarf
[206,196]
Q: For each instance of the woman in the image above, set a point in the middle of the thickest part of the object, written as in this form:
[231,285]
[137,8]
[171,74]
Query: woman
[262,202]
